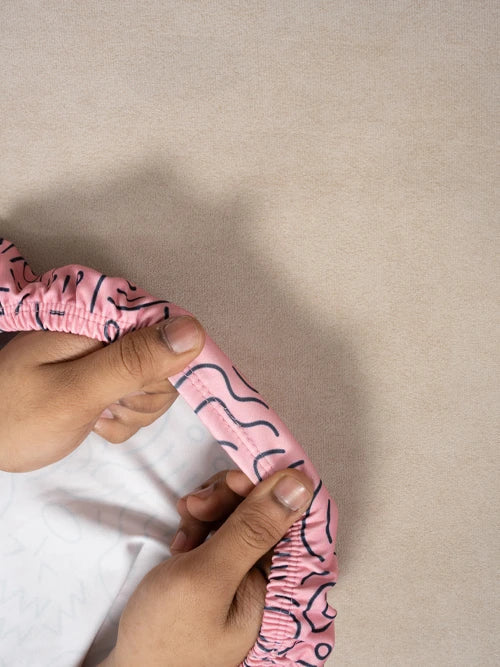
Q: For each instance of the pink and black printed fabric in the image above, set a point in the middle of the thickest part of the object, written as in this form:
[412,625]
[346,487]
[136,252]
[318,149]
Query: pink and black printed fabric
[297,626]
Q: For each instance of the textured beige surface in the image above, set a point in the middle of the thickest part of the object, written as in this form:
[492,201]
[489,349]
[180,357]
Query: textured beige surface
[314,181]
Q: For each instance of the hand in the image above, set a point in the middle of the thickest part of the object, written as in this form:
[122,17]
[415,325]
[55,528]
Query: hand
[204,607]
[55,386]
[205,509]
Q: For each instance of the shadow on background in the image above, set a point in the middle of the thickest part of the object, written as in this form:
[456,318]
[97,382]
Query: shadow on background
[154,229]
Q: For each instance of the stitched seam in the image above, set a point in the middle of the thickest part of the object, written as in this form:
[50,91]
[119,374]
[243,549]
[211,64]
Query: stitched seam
[79,312]
[197,382]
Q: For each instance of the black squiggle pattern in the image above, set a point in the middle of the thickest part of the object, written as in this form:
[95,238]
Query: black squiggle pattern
[243,379]
[264,648]
[226,380]
[16,312]
[216,399]
[138,307]
[96,290]
[226,443]
[328,536]
[296,464]
[303,526]
[325,611]
[37,317]
[260,456]
[24,274]
[310,604]
[289,648]
[317,648]
[311,574]
[136,298]
[116,328]
[52,279]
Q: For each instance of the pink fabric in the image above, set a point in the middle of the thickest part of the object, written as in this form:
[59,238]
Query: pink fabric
[297,626]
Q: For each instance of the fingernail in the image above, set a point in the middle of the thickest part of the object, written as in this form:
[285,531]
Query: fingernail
[106,414]
[203,493]
[291,493]
[180,334]
[179,540]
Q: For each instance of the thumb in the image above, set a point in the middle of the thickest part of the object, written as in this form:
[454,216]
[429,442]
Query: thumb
[256,525]
[137,359]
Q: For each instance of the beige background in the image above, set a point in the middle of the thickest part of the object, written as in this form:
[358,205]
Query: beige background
[314,181]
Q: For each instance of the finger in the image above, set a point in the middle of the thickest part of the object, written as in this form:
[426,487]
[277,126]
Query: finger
[162,387]
[204,510]
[218,500]
[255,526]
[239,482]
[132,418]
[221,477]
[148,403]
[135,360]
[123,424]
[191,532]
[113,431]
[49,347]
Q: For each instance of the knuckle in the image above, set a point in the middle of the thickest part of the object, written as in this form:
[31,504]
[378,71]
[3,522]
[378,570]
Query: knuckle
[136,355]
[256,529]
[149,404]
[141,420]
[135,420]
